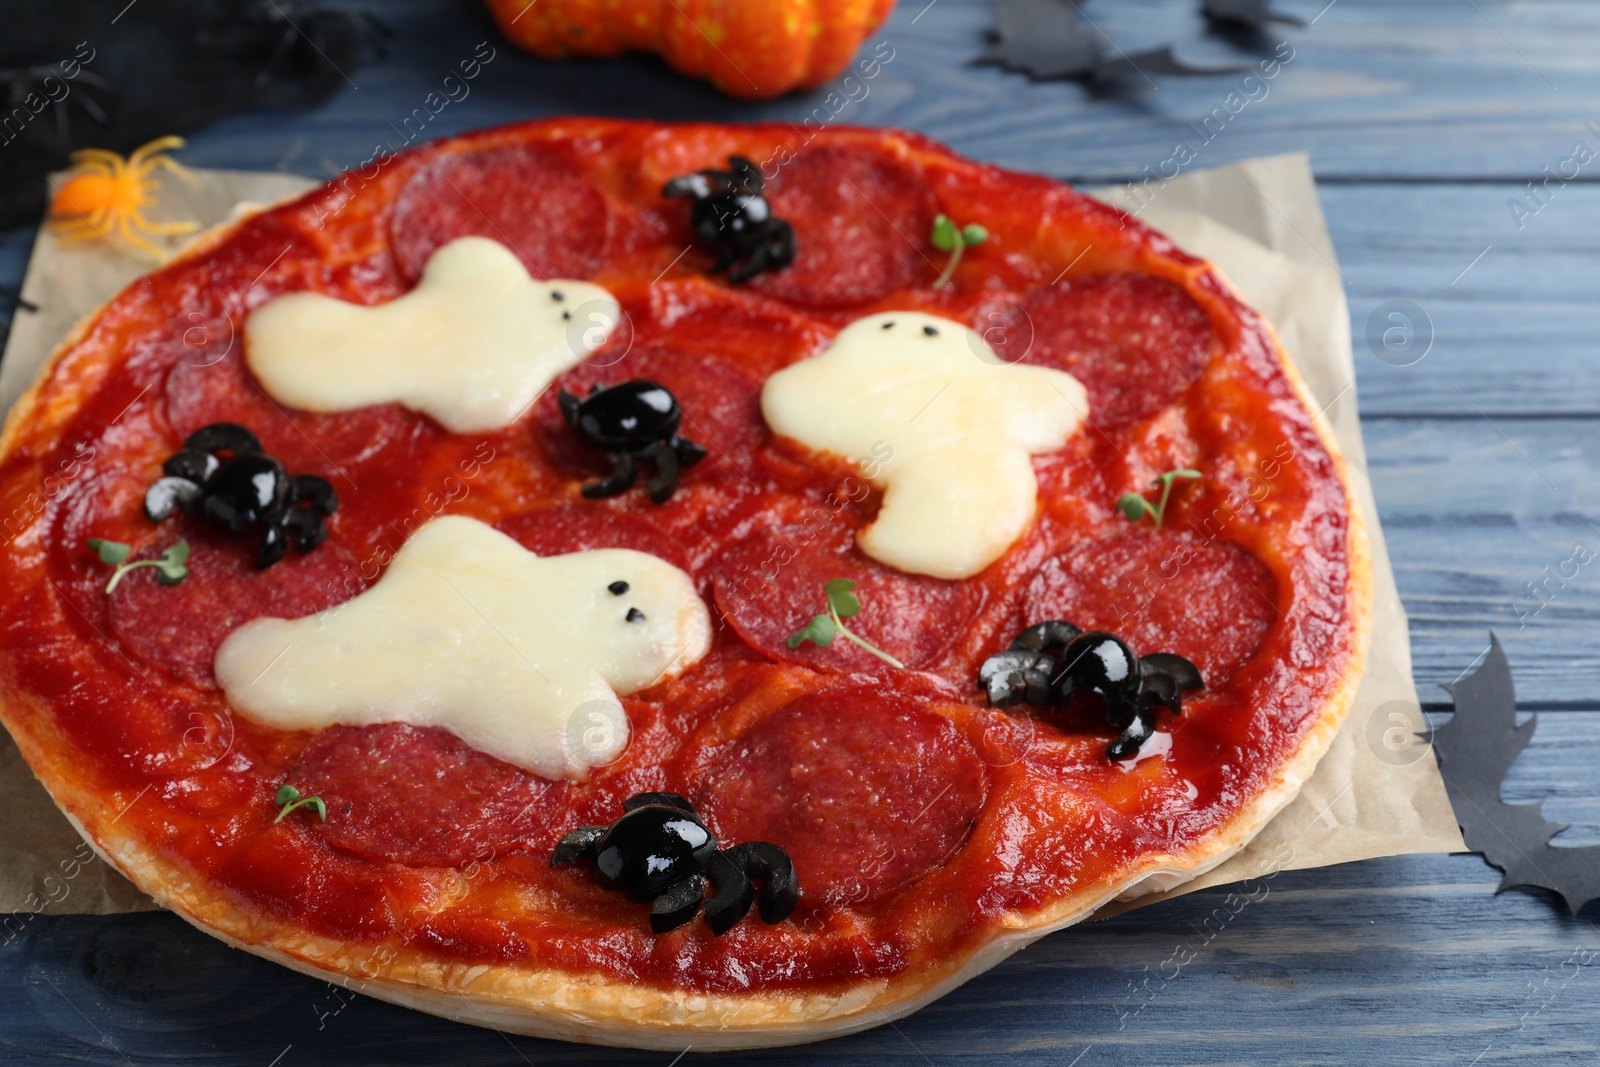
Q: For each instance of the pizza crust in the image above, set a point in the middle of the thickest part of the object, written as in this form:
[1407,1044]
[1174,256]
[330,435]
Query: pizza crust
[553,1003]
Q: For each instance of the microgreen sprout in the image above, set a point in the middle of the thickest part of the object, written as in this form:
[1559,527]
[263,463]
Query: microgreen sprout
[842,604]
[1134,506]
[948,237]
[170,569]
[289,798]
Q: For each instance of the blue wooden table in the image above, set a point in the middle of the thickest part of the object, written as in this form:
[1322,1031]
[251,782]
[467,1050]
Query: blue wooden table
[1425,122]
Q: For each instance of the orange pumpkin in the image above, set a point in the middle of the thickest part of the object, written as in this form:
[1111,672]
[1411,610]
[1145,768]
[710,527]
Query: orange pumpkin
[748,48]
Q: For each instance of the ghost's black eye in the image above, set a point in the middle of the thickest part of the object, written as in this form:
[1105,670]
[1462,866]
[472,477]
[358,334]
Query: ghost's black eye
[635,615]
[557,295]
[617,588]
[931,331]
[888,325]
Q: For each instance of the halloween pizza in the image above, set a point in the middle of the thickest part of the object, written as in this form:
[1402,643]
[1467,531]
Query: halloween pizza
[669,585]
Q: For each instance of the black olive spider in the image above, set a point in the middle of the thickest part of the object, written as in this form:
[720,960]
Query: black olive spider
[660,851]
[222,473]
[635,420]
[1051,661]
[729,216]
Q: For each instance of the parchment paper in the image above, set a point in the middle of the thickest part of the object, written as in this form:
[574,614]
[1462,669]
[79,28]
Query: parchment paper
[41,863]
[1377,791]
[1373,794]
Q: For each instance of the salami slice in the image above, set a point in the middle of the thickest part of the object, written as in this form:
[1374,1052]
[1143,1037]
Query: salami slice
[220,388]
[420,796]
[771,585]
[867,792]
[1168,591]
[178,628]
[1134,341]
[861,224]
[721,406]
[559,528]
[524,196]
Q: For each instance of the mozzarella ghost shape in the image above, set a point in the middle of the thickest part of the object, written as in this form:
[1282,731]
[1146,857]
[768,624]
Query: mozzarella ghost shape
[473,345]
[520,656]
[950,429]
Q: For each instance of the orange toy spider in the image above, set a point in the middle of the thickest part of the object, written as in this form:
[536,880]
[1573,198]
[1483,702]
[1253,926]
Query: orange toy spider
[108,194]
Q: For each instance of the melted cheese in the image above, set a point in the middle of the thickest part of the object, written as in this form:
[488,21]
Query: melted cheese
[956,424]
[520,656]
[473,345]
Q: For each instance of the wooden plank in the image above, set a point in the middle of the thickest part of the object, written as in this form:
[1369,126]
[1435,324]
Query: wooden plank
[1511,311]
[1430,90]
[1410,960]
[14,248]
[1476,509]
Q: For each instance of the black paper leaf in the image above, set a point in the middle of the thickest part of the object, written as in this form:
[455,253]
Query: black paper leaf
[1476,749]
[1248,14]
[1046,39]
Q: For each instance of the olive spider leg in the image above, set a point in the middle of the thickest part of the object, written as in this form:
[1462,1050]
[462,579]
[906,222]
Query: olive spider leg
[314,490]
[746,173]
[222,437]
[772,867]
[1052,636]
[777,250]
[734,894]
[274,543]
[687,451]
[622,476]
[307,527]
[576,845]
[1017,676]
[165,494]
[665,483]
[568,404]
[677,906]
[752,266]
[1134,735]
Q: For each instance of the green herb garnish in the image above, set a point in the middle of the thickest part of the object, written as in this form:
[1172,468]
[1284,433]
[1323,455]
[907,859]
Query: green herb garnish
[170,569]
[948,237]
[289,798]
[1135,507]
[842,604]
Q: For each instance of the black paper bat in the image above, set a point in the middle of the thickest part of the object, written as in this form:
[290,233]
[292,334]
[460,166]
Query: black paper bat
[158,67]
[1046,39]
[1476,749]
[1246,14]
